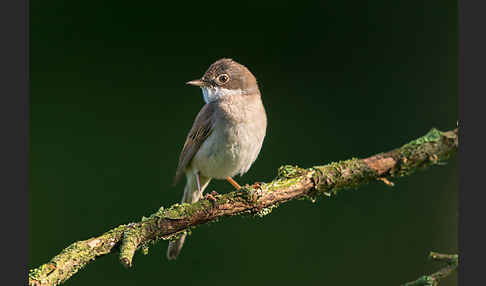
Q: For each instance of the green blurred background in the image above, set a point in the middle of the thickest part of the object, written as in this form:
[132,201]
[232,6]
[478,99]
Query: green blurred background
[110,111]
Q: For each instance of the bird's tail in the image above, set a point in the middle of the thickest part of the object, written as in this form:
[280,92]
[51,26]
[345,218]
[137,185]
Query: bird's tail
[191,195]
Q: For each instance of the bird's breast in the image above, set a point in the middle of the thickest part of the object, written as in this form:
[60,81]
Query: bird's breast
[235,141]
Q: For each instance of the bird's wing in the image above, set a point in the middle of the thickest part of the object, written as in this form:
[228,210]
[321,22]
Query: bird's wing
[200,131]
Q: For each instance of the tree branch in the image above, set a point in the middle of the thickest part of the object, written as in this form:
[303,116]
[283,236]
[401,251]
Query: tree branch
[433,279]
[291,183]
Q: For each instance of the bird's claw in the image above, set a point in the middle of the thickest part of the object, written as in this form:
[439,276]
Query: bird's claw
[256,185]
[210,196]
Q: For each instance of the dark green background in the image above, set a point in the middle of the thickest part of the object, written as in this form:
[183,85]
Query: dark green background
[110,112]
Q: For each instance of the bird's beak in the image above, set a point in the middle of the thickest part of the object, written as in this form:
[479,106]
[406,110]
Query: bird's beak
[196,82]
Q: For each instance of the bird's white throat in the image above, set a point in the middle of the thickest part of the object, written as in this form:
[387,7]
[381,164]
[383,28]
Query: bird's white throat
[211,94]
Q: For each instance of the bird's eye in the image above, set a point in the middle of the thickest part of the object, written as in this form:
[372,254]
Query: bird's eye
[223,78]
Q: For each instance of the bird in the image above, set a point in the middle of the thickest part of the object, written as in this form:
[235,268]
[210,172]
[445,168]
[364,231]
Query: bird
[226,136]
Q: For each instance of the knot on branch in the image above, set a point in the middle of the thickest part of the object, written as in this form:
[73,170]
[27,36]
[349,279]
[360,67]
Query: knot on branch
[289,171]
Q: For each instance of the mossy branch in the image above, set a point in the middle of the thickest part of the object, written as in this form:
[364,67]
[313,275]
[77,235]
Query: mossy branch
[452,261]
[291,183]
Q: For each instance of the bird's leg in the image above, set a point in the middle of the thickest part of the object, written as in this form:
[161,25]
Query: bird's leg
[233,182]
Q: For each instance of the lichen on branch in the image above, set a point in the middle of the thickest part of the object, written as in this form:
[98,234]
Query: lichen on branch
[291,183]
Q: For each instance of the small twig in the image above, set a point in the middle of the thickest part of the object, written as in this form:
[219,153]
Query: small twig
[452,261]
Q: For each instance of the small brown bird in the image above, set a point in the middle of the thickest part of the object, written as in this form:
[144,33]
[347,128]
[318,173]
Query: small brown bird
[226,136]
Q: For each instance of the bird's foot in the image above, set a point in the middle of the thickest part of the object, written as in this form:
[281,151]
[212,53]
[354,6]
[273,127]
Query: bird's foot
[257,185]
[210,196]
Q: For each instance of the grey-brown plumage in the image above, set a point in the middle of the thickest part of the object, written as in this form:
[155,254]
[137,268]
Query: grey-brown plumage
[198,133]
[227,134]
